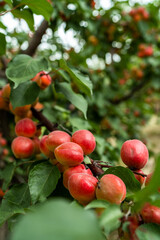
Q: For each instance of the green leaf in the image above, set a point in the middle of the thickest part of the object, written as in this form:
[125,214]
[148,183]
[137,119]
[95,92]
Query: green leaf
[58,220]
[76,99]
[25,93]
[3,44]
[143,196]
[83,82]
[110,218]
[7,175]
[27,15]
[43,179]
[16,199]
[97,204]
[23,68]
[2,26]
[148,231]
[39,7]
[87,160]
[127,177]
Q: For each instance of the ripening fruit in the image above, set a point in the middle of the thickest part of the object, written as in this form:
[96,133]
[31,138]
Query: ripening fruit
[36,142]
[3,103]
[20,111]
[22,147]
[82,187]
[150,213]
[139,177]
[148,179]
[56,138]
[134,154]
[43,147]
[69,153]
[71,170]
[111,188]
[85,139]
[6,91]
[42,79]
[25,127]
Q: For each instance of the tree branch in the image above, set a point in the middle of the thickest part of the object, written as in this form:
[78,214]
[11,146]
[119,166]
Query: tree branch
[38,115]
[2,74]
[130,94]
[36,39]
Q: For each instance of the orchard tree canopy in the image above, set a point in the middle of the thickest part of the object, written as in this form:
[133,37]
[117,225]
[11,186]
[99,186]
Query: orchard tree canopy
[78,81]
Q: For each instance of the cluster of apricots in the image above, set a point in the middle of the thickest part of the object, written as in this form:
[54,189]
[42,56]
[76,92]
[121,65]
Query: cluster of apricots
[139,14]
[42,79]
[145,50]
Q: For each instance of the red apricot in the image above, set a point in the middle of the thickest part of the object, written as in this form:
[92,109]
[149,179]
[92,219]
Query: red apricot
[150,213]
[42,79]
[82,187]
[111,188]
[134,154]
[25,127]
[22,147]
[36,142]
[56,138]
[69,153]
[43,147]
[85,139]
[71,170]
[139,177]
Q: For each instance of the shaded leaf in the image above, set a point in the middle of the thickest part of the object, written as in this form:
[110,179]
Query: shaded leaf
[43,179]
[83,82]
[3,44]
[25,93]
[76,99]
[127,177]
[23,68]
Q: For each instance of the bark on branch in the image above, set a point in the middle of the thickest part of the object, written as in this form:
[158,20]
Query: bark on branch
[36,39]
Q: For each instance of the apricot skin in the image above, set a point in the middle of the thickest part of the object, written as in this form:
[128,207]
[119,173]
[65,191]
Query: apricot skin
[134,154]
[150,213]
[85,139]
[111,188]
[25,127]
[71,170]
[139,177]
[82,187]
[22,147]
[43,147]
[56,138]
[69,153]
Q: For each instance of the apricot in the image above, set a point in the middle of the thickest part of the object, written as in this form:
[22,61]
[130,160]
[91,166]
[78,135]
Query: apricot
[42,79]
[134,154]
[82,187]
[85,139]
[69,153]
[25,127]
[3,104]
[150,213]
[56,138]
[22,147]
[139,177]
[111,188]
[6,91]
[43,147]
[36,142]
[71,170]
[20,111]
